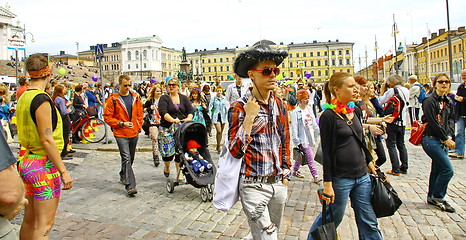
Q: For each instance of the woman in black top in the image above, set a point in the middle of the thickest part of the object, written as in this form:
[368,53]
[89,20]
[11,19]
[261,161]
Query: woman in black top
[344,160]
[174,108]
[439,115]
[79,106]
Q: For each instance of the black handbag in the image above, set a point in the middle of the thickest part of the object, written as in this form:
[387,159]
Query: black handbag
[299,156]
[385,200]
[327,231]
[319,157]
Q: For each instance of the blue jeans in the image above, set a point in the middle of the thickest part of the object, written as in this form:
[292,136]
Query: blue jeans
[460,126]
[359,190]
[396,141]
[127,147]
[441,170]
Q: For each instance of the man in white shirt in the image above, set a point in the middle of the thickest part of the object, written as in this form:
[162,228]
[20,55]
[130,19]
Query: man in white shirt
[235,91]
[414,104]
[396,129]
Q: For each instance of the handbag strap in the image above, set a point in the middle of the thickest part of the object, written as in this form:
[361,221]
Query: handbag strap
[326,211]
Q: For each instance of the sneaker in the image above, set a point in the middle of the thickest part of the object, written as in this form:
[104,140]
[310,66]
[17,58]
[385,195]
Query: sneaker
[393,173]
[298,174]
[441,204]
[404,172]
[71,151]
[317,179]
[456,155]
[132,191]
[166,174]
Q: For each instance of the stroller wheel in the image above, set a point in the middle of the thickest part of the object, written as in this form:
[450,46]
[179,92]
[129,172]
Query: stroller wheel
[211,192]
[170,185]
[204,194]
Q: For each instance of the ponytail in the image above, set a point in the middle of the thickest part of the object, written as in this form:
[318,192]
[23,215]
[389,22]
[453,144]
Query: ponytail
[328,96]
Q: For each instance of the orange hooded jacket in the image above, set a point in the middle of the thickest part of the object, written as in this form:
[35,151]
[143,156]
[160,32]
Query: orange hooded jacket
[115,111]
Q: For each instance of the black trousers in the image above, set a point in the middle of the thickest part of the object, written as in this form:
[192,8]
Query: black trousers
[66,133]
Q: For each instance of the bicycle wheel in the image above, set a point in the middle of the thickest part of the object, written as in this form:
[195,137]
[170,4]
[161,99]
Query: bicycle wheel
[94,130]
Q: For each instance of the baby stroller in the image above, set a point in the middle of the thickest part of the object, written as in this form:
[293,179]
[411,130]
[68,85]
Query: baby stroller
[193,131]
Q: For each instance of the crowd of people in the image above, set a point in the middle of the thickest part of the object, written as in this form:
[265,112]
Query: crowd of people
[265,118]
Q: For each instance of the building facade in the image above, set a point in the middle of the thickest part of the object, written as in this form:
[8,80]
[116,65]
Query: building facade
[12,36]
[111,62]
[321,59]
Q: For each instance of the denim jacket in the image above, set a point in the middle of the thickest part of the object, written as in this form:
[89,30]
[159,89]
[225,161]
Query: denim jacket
[302,132]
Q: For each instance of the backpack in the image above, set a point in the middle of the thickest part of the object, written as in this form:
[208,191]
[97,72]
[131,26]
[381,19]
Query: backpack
[291,98]
[422,94]
[394,106]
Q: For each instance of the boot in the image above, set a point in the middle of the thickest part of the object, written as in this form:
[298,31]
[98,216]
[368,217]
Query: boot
[156,160]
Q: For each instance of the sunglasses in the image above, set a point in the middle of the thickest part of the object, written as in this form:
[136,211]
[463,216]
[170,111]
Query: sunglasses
[127,85]
[443,82]
[267,71]
[171,84]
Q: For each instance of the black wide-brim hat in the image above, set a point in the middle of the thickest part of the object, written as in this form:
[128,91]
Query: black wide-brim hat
[260,53]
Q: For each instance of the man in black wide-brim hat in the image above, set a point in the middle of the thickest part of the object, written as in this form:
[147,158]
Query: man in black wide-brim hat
[259,135]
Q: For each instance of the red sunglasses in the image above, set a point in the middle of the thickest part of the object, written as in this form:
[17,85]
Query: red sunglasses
[267,71]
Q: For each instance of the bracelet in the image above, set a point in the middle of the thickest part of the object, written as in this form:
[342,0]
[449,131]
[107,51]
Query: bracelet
[120,123]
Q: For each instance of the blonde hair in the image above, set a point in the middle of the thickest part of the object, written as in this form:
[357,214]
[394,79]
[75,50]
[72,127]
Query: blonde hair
[336,80]
[6,95]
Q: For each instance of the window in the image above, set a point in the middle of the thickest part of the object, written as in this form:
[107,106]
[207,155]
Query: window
[210,69]
[297,55]
[333,62]
[318,55]
[145,65]
[318,63]
[348,71]
[325,53]
[312,54]
[312,63]
[221,59]
[215,60]
[227,59]
[304,54]
[347,51]
[203,61]
[137,55]
[347,61]
[137,66]
[320,73]
[221,68]
[144,54]
[129,66]
[333,53]
[291,55]
[129,56]
[340,52]
[291,74]
[326,62]
[326,73]
[340,61]
[228,68]
[291,64]
[215,69]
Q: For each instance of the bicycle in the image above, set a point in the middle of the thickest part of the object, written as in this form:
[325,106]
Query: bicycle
[91,128]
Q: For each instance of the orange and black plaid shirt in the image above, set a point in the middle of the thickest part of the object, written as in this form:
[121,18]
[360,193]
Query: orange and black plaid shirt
[266,151]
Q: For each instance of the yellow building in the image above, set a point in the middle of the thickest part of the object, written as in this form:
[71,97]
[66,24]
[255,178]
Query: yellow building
[171,60]
[321,59]
[111,62]
[431,57]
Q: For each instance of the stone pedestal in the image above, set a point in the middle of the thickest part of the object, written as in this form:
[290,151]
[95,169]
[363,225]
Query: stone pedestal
[185,66]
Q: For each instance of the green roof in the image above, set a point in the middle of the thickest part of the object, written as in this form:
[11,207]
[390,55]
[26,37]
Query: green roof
[140,39]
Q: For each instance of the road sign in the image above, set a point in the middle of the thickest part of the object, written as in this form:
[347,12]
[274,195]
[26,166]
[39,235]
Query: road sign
[99,51]
[14,43]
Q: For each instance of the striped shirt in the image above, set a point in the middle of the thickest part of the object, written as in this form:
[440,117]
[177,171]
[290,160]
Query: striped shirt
[266,151]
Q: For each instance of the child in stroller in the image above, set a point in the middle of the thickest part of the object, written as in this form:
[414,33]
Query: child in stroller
[199,164]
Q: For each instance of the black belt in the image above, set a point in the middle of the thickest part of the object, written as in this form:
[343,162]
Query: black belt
[266,179]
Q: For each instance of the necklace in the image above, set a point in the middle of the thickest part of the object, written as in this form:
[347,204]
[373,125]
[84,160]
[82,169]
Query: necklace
[339,107]
[349,122]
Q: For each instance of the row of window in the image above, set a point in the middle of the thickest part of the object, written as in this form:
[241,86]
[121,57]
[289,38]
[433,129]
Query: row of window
[444,51]
[112,67]
[311,54]
[137,66]
[291,74]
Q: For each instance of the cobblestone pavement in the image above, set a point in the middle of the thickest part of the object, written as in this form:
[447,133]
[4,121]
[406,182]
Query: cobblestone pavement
[97,206]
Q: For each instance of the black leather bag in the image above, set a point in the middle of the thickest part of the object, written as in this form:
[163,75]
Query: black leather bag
[319,157]
[327,231]
[385,200]
[299,156]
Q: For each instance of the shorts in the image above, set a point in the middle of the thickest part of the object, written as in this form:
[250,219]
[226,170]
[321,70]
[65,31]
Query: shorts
[40,177]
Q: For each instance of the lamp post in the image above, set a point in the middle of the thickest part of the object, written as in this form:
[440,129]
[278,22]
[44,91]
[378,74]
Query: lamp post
[376,47]
[395,31]
[367,69]
[449,42]
[77,51]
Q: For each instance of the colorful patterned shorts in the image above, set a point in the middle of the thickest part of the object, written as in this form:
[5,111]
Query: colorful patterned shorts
[41,178]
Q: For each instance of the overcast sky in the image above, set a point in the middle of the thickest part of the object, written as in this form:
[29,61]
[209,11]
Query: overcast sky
[58,25]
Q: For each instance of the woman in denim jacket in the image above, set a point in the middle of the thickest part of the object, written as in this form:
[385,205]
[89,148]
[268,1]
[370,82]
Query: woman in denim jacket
[218,114]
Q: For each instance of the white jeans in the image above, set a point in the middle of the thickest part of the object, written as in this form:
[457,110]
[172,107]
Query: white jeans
[263,204]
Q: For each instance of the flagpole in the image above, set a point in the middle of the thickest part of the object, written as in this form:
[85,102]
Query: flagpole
[428,54]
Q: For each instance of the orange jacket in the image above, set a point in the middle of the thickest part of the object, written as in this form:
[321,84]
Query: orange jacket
[115,111]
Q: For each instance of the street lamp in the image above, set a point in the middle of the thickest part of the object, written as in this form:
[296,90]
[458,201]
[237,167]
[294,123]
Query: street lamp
[449,42]
[395,31]
[376,47]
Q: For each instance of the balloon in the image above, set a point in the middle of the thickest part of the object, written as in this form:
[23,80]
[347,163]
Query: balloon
[153,80]
[168,78]
[230,77]
[62,71]
[308,74]
[95,78]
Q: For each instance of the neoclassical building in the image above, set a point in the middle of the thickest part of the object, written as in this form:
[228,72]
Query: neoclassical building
[321,59]
[11,36]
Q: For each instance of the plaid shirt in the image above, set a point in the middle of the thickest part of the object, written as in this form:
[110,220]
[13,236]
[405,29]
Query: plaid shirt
[266,151]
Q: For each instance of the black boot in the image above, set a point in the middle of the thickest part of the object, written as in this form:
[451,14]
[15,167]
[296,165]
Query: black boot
[156,160]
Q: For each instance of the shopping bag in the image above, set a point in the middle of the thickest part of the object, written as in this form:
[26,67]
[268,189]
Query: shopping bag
[299,156]
[327,231]
[226,187]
